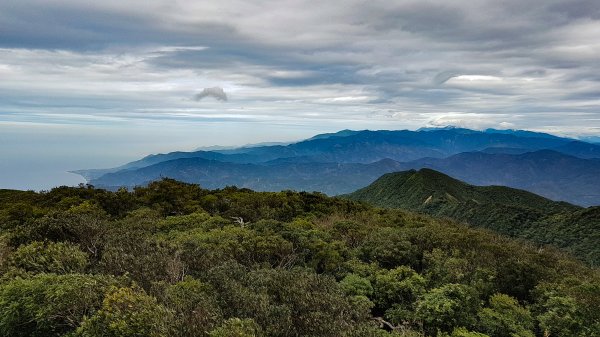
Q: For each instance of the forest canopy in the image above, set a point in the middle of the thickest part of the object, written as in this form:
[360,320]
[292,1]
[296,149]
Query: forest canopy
[173,259]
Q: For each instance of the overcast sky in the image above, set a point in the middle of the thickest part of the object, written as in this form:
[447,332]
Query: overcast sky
[106,81]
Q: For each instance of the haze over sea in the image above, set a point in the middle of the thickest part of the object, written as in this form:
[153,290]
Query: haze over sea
[40,159]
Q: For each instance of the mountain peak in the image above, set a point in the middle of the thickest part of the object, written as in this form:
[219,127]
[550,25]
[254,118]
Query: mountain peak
[410,189]
[341,133]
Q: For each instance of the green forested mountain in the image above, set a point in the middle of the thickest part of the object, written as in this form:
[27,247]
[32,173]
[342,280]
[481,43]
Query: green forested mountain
[509,211]
[172,259]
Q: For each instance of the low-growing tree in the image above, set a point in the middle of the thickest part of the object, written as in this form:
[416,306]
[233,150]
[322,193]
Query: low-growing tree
[558,316]
[195,306]
[47,305]
[447,307]
[236,327]
[399,286]
[504,317]
[390,248]
[49,257]
[128,312]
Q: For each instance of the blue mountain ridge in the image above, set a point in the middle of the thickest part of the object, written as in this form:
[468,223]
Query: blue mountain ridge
[555,167]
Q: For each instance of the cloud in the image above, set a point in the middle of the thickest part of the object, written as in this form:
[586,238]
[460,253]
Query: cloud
[74,71]
[472,121]
[216,92]
[535,62]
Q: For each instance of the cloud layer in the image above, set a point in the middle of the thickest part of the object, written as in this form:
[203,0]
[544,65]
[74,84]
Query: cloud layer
[382,64]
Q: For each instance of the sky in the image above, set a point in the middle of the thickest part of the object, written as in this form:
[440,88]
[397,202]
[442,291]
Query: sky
[89,84]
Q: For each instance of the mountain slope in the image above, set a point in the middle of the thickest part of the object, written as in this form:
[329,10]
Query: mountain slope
[509,211]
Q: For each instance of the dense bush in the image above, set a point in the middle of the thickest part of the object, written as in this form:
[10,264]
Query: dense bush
[172,259]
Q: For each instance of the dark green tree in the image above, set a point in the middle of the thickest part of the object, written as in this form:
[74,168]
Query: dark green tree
[236,327]
[448,307]
[49,257]
[128,312]
[504,317]
[48,305]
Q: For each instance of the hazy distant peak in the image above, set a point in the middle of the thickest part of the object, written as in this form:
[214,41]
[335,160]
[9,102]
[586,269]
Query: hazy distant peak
[342,133]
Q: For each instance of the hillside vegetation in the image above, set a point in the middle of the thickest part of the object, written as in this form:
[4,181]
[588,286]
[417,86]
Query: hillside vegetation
[172,259]
[506,210]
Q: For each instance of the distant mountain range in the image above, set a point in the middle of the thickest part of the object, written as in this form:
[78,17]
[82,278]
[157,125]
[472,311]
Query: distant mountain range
[336,163]
[329,178]
[506,210]
[548,173]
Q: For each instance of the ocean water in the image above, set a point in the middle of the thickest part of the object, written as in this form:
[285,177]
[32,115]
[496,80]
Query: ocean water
[21,174]
[36,156]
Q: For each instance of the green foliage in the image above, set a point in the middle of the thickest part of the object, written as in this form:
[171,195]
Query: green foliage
[294,302]
[49,257]
[170,197]
[173,259]
[371,330]
[235,327]
[140,257]
[389,248]
[204,249]
[183,222]
[462,332]
[447,307]
[400,286]
[355,285]
[127,312]
[505,318]
[559,316]
[195,306]
[506,210]
[48,304]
